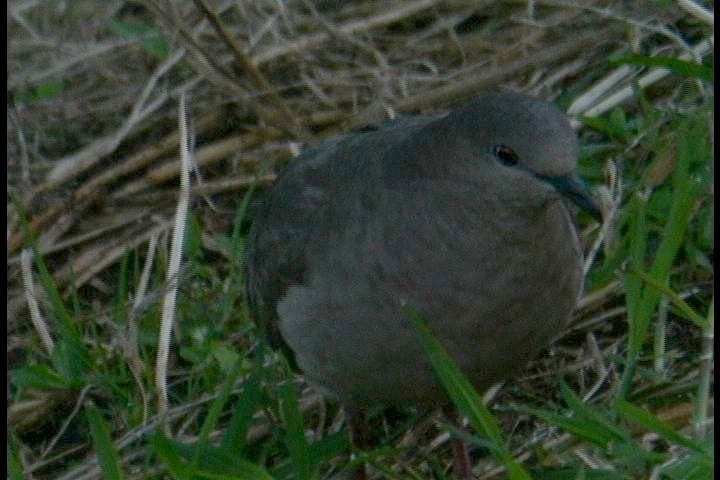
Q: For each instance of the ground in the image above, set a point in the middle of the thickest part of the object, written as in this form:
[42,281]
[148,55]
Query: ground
[93,193]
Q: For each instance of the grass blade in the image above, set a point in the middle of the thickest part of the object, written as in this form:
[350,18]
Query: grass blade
[465,397]
[584,411]
[579,428]
[14,469]
[677,300]
[108,457]
[297,445]
[651,422]
[217,406]
[70,357]
[234,437]
[677,66]
[165,449]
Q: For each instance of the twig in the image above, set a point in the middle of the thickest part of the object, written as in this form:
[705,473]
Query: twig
[653,76]
[24,159]
[586,100]
[288,119]
[349,28]
[35,316]
[25,78]
[139,160]
[97,258]
[239,182]
[168,308]
[81,238]
[659,347]
[706,370]
[204,156]
[136,364]
[79,162]
[654,27]
[78,404]
[465,88]
[83,203]
[698,11]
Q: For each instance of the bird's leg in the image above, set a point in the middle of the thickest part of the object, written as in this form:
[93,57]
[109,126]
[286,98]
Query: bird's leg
[462,466]
[359,436]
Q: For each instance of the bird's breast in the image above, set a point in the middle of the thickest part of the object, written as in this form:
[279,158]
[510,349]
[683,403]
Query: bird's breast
[494,296]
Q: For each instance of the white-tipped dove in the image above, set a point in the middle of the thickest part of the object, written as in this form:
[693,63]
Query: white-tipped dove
[463,217]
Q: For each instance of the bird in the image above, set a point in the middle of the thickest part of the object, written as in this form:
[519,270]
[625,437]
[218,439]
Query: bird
[467,217]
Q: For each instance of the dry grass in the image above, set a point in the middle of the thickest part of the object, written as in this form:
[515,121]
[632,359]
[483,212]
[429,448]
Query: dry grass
[93,91]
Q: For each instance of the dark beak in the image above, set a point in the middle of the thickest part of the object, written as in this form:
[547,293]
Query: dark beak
[575,190]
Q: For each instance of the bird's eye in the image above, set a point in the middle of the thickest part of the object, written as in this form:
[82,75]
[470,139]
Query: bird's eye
[506,155]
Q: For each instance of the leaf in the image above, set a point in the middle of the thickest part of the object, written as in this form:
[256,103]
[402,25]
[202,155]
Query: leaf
[152,40]
[235,434]
[295,440]
[614,126]
[578,427]
[695,466]
[681,304]
[39,377]
[691,146]
[130,29]
[464,395]
[600,124]
[577,473]
[217,405]
[156,47]
[619,124]
[214,463]
[169,454]
[651,422]
[70,357]
[226,357]
[44,90]
[677,66]
[14,468]
[49,89]
[108,458]
[329,447]
[592,416]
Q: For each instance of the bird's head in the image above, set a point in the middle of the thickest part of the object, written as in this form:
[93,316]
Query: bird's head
[517,148]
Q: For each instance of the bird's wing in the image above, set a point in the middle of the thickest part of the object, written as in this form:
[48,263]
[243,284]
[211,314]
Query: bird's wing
[313,198]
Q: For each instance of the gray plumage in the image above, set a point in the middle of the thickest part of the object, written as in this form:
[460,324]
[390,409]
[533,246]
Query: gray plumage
[462,216]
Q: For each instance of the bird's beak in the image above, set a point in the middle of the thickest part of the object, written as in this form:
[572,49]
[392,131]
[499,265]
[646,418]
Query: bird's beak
[575,190]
